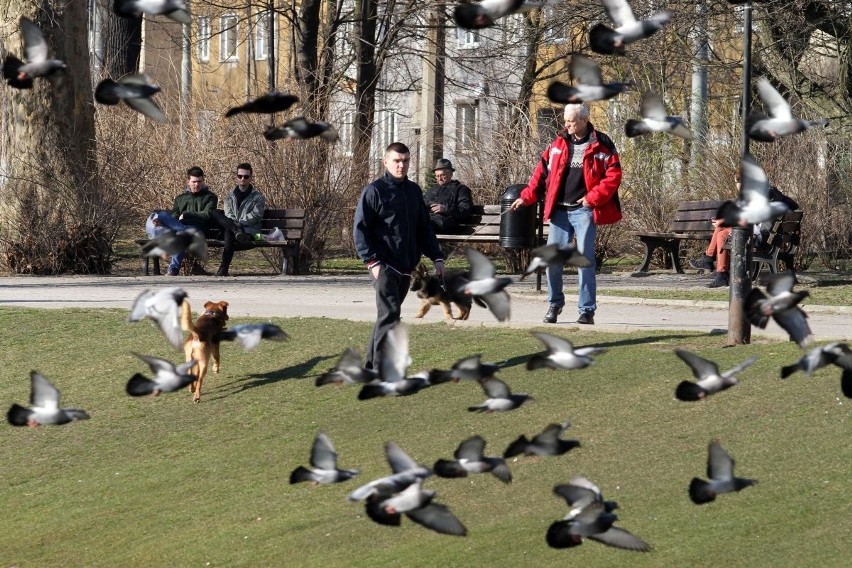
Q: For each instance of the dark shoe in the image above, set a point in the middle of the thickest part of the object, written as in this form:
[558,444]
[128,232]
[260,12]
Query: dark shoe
[552,312]
[243,238]
[222,271]
[703,263]
[586,318]
[172,272]
[720,280]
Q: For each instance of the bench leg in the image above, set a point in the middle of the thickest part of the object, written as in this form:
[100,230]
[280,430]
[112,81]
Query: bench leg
[649,251]
[673,249]
[146,262]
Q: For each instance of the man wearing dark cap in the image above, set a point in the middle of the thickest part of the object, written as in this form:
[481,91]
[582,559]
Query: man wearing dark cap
[449,201]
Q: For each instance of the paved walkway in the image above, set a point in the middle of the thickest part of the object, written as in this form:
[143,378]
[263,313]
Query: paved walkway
[352,297]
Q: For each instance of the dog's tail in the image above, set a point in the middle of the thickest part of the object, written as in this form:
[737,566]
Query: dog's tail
[186,322]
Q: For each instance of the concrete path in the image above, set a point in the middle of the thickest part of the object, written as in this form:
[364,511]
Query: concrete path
[352,297]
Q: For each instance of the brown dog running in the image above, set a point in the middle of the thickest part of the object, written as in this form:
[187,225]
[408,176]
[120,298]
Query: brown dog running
[430,292]
[203,341]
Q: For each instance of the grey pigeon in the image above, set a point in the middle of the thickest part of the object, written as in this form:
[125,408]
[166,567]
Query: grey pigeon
[405,472]
[554,255]
[484,14]
[710,380]
[301,129]
[817,358]
[19,74]
[596,523]
[656,119]
[781,304]
[163,308]
[580,493]
[470,458]
[561,354]
[500,398]
[720,470]
[136,91]
[167,377]
[753,205]
[608,41]
[248,335]
[348,370]
[467,369]
[171,243]
[173,9]
[548,443]
[780,121]
[393,367]
[419,506]
[323,470]
[44,406]
[267,104]
[587,85]
[486,288]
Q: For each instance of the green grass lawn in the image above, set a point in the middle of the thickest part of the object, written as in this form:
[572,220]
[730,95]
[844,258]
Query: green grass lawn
[163,482]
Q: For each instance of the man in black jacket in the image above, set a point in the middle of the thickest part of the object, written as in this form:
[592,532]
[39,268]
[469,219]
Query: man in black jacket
[391,232]
[449,201]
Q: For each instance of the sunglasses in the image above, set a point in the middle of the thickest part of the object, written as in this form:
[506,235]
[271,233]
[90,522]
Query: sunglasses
[241,176]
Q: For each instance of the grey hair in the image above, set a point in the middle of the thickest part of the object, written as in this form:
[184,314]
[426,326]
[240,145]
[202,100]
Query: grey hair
[582,110]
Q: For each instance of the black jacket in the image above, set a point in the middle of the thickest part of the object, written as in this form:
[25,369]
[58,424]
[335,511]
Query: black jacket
[455,196]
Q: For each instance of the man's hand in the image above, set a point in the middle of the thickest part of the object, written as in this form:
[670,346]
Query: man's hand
[585,203]
[517,204]
[374,270]
[437,208]
[439,269]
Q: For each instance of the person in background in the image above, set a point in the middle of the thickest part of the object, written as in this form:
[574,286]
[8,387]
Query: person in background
[449,201]
[241,220]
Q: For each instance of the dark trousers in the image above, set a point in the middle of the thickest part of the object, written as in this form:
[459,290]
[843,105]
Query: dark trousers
[391,289]
[230,228]
[443,224]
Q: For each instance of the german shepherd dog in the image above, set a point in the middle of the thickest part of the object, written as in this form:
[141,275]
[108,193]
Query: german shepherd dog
[430,292]
[203,341]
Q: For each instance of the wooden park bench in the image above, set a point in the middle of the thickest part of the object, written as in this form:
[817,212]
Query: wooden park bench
[483,226]
[781,243]
[291,222]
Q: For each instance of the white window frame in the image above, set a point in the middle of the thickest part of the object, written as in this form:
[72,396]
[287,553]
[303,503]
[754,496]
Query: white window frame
[228,25]
[467,126]
[204,35]
[468,39]
[261,34]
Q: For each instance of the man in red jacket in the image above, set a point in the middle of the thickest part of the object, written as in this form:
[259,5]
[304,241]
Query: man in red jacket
[580,174]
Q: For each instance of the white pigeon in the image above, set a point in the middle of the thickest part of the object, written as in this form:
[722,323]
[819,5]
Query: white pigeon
[136,91]
[162,307]
[486,288]
[561,354]
[323,470]
[19,74]
[173,9]
[248,335]
[44,406]
[587,85]
[710,380]
[782,305]
[608,41]
[167,377]
[752,206]
[484,14]
[655,119]
[780,121]
[720,470]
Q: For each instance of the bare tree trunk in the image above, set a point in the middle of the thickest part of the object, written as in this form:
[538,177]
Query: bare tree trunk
[122,41]
[366,12]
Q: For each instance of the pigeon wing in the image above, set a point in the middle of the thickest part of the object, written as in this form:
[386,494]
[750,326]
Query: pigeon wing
[780,283]
[553,343]
[480,267]
[42,393]
[701,367]
[620,538]
[495,388]
[720,465]
[146,106]
[323,455]
[398,460]
[438,518]
[471,449]
[772,99]
[794,321]
[35,45]
[585,71]
[499,303]
[619,12]
[652,107]
[156,364]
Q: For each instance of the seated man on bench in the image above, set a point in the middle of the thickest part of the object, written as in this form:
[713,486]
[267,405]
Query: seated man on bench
[449,201]
[241,221]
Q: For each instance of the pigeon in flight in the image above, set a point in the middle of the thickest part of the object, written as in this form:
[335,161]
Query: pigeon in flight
[781,304]
[580,493]
[484,14]
[720,470]
[248,335]
[656,119]
[753,205]
[419,506]
[467,369]
[710,380]
[267,104]
[348,370]
[20,75]
[167,377]
[608,41]
[588,84]
[323,470]
[561,354]
[44,406]
[135,91]
[392,370]
[486,288]
[301,129]
[548,443]
[817,358]
[162,307]
[470,458]
[405,471]
[173,9]
[553,255]
[780,121]
[171,243]
[500,398]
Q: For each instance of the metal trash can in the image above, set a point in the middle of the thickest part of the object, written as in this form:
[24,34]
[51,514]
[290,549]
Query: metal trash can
[517,228]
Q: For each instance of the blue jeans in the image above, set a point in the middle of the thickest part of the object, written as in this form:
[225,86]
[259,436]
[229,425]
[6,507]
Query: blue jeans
[564,226]
[169,222]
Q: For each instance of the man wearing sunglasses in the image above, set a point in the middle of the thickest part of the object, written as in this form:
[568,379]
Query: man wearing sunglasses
[241,220]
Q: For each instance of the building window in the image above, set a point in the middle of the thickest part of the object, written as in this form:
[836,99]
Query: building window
[468,39]
[261,35]
[465,128]
[228,38]
[204,39]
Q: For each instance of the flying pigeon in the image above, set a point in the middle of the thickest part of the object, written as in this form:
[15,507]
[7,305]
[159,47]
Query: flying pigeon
[500,398]
[552,255]
[469,369]
[167,377]
[608,41]
[393,366]
[548,443]
[561,354]
[753,205]
[405,472]
[20,75]
[164,308]
[419,506]
[248,335]
[588,84]
[782,306]
[136,92]
[487,289]
[817,358]
[655,119]
[348,370]
[470,458]
[44,406]
[267,104]
[710,380]
[171,243]
[780,121]
[484,14]
[720,470]
[580,493]
[173,9]
[300,129]
[323,468]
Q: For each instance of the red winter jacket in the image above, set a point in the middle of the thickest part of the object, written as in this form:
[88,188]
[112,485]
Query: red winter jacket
[601,171]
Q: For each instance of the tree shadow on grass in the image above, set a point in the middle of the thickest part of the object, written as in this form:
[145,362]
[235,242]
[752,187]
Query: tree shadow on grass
[297,371]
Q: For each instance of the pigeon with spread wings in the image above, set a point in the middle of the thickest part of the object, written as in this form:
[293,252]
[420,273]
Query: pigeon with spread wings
[44,406]
[19,74]
[608,41]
